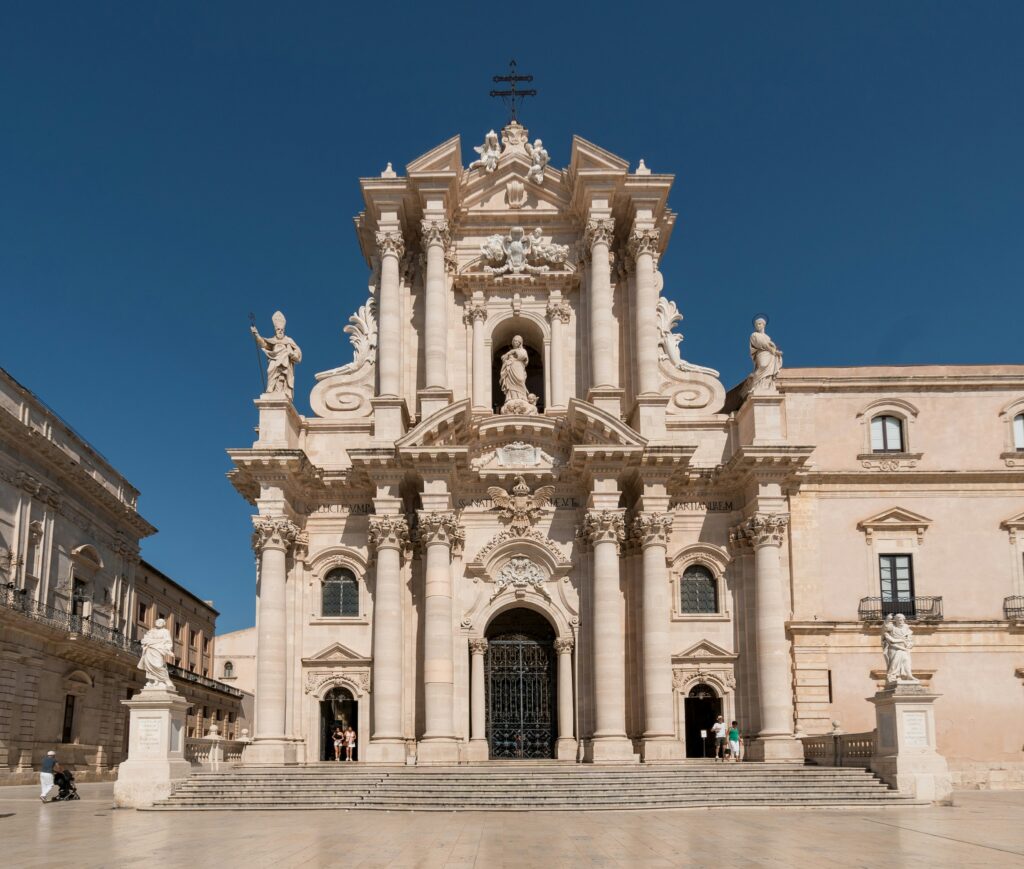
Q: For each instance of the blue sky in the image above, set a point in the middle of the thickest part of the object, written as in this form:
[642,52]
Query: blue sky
[853,169]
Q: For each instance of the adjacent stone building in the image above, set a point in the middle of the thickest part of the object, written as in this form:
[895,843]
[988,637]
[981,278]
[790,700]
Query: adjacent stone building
[520,524]
[75,597]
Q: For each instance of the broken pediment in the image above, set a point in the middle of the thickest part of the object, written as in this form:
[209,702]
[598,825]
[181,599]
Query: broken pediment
[446,157]
[588,156]
[336,653]
[704,650]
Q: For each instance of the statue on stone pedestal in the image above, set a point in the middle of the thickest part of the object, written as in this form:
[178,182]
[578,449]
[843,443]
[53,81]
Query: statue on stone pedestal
[283,355]
[897,641]
[767,359]
[156,646]
[489,152]
[518,399]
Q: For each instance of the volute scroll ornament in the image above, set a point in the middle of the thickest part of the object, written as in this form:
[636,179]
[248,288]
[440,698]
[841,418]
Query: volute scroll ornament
[273,533]
[599,231]
[604,525]
[651,529]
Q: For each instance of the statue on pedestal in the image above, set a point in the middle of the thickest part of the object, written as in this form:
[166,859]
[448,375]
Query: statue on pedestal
[767,359]
[518,399]
[283,354]
[156,646]
[489,152]
[897,641]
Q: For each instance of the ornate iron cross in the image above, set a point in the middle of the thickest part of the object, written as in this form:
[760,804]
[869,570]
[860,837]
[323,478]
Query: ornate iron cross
[512,95]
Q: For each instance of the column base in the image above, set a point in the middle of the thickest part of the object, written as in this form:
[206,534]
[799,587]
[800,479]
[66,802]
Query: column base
[566,748]
[437,751]
[774,749]
[478,751]
[270,751]
[611,749]
[662,749]
[385,751]
[432,400]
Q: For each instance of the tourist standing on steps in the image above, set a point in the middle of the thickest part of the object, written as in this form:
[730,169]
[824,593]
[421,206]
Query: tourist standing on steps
[734,741]
[46,771]
[350,742]
[721,738]
[339,741]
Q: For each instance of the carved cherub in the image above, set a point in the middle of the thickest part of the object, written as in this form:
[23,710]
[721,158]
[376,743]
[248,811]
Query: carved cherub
[520,507]
[539,155]
[489,152]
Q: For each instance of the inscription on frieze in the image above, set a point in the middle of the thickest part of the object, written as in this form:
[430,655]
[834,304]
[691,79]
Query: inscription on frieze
[703,505]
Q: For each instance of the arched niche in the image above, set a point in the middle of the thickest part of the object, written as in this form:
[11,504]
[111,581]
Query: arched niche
[534,332]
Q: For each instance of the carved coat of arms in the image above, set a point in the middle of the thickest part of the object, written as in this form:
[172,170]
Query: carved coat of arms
[520,507]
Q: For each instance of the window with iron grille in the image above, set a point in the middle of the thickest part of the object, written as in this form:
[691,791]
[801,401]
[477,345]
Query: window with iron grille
[896,573]
[340,593]
[699,592]
[887,434]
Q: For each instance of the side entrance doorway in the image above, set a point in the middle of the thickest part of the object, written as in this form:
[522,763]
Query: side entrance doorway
[702,706]
[520,677]
[337,709]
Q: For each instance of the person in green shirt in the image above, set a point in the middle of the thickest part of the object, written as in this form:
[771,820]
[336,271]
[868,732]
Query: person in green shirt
[734,741]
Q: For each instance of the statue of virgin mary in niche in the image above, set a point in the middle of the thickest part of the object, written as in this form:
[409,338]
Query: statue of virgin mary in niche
[518,399]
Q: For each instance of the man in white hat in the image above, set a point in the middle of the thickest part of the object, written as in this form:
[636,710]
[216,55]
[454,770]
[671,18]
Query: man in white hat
[46,771]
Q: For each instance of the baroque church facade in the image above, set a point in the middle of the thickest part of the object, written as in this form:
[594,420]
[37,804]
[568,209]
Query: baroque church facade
[520,525]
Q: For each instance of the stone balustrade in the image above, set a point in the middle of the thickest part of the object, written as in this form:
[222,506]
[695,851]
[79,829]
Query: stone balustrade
[840,749]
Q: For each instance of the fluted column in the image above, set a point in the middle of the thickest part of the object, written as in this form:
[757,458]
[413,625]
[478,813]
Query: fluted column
[391,246]
[566,747]
[271,539]
[477,692]
[643,245]
[436,237]
[439,531]
[605,531]
[476,314]
[651,531]
[598,238]
[558,313]
[389,536]
[775,741]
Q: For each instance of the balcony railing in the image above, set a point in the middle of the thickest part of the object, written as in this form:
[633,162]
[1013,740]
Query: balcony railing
[916,609]
[1013,607]
[81,626]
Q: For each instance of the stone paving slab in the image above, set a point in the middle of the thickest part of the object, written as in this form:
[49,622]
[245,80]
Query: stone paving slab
[980,829]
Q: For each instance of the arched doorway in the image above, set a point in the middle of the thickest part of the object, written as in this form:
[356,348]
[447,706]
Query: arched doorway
[702,707]
[338,709]
[520,675]
[534,374]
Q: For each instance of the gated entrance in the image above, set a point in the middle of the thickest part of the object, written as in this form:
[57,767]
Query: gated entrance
[520,670]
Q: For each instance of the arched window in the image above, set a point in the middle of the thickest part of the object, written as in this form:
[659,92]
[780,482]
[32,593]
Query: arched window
[1018,431]
[699,592]
[340,593]
[886,434]
[229,670]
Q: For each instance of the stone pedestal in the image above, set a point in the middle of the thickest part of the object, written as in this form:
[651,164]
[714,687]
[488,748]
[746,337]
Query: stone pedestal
[775,749]
[270,751]
[905,756]
[156,748]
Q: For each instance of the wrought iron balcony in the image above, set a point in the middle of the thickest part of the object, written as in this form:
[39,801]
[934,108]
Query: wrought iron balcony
[916,609]
[1013,607]
[79,626]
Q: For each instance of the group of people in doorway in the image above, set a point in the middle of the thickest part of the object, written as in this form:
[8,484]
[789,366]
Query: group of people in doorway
[344,740]
[727,740]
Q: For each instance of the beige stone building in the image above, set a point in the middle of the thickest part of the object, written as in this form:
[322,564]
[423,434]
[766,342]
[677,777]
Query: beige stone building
[75,597]
[520,524]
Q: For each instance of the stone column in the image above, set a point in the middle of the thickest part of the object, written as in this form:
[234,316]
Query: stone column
[476,314]
[565,748]
[478,749]
[598,238]
[436,237]
[391,246]
[438,530]
[651,531]
[605,531]
[558,314]
[389,536]
[272,538]
[643,245]
[775,740]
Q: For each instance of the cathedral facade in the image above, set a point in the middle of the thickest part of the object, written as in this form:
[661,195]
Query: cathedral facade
[520,525]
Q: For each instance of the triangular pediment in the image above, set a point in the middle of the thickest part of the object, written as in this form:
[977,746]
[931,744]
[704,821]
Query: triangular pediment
[1015,523]
[446,157]
[336,653]
[895,518]
[588,156]
[704,650]
[492,193]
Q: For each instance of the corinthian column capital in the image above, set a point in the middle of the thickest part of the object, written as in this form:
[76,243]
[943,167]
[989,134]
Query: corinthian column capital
[599,230]
[644,241]
[270,532]
[761,529]
[478,645]
[475,310]
[435,230]
[390,242]
[389,532]
[563,645]
[440,526]
[560,309]
[651,529]
[603,525]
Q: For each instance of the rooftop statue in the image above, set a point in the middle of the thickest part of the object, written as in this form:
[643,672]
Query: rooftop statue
[540,158]
[489,153]
[767,359]
[897,641]
[156,646]
[518,399]
[283,354]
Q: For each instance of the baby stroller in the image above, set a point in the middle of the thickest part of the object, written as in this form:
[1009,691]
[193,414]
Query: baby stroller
[65,781]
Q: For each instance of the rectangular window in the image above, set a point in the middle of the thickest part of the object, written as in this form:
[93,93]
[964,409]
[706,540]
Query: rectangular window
[829,686]
[179,632]
[78,598]
[886,435]
[69,718]
[206,646]
[1018,431]
[896,573]
[142,613]
[193,639]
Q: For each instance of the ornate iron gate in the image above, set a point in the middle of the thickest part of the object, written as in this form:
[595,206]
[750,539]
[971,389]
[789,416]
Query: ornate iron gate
[520,697]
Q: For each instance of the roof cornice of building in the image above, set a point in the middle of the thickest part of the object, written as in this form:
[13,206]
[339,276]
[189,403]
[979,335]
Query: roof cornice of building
[924,378]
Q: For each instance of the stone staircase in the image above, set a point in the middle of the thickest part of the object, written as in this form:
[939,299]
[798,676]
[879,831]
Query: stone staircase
[525,786]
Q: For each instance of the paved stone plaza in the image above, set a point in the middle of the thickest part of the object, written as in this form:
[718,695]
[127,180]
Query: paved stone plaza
[981,829]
